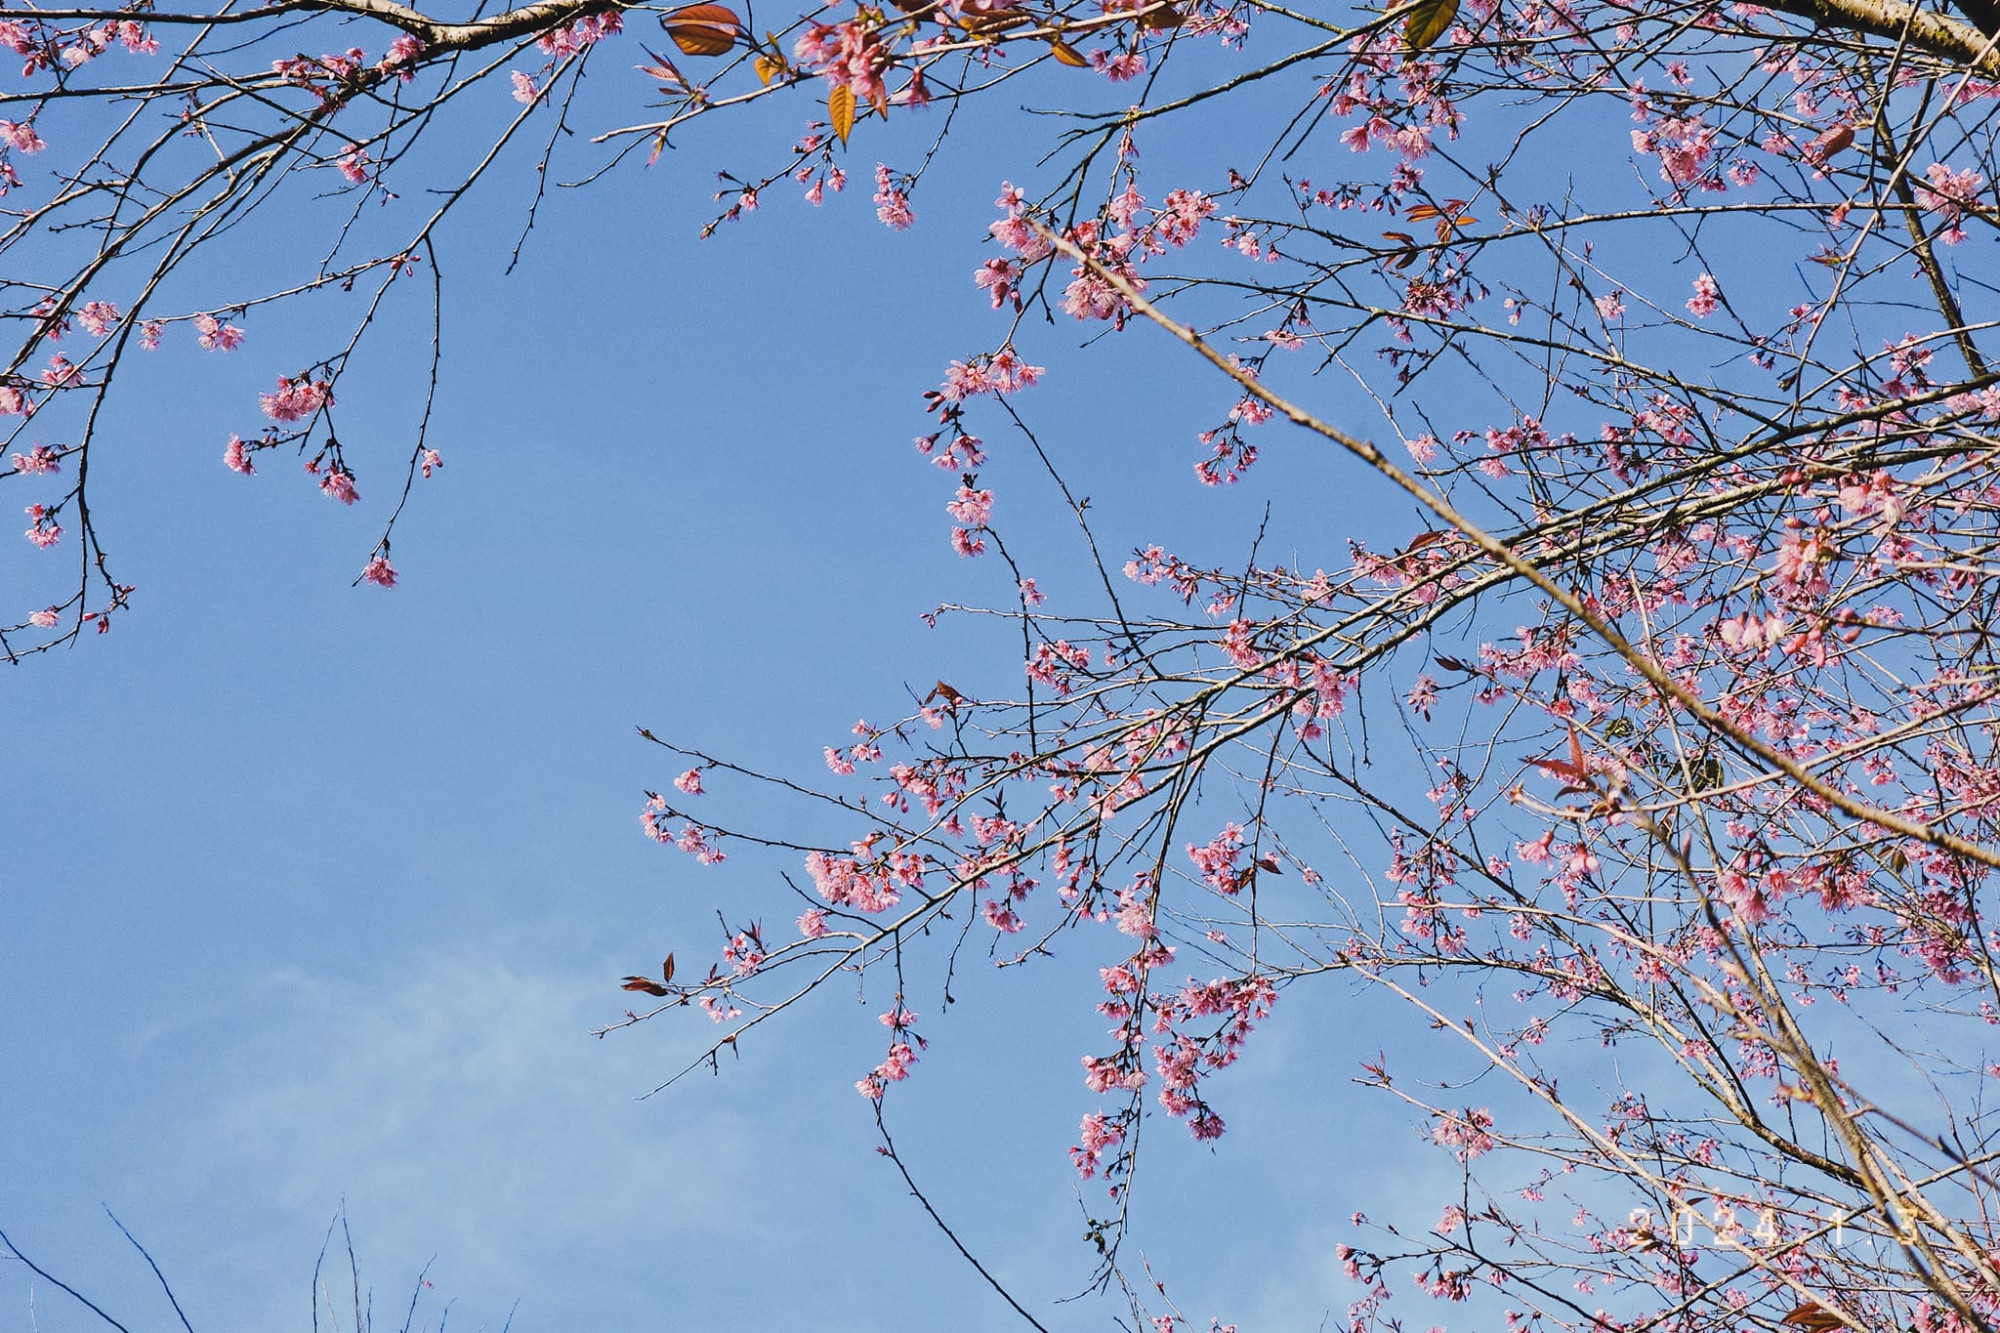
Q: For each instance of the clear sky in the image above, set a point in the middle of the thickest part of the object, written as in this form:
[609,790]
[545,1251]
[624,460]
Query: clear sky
[313,893]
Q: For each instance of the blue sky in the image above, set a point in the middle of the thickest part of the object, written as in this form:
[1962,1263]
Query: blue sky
[315,892]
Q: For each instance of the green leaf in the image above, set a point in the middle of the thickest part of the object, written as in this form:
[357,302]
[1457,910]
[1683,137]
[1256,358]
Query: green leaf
[1428,20]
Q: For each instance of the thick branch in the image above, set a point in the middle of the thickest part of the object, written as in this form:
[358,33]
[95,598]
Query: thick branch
[1947,38]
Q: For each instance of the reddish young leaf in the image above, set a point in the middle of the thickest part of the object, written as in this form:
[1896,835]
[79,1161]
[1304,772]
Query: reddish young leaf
[1826,145]
[1814,1318]
[980,19]
[1557,768]
[703,30]
[668,73]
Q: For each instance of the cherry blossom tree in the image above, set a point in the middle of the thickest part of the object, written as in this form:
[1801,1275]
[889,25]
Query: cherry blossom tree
[1669,724]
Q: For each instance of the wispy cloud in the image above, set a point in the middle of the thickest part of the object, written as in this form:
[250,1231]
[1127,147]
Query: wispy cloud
[462,1110]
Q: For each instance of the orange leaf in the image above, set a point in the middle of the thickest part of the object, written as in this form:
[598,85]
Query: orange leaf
[1409,255]
[840,111]
[1418,212]
[703,30]
[1067,54]
[768,67]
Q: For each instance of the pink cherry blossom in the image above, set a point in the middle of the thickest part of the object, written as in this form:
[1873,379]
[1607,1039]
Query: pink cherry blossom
[21,137]
[98,317]
[216,336]
[295,400]
[339,485]
[39,459]
[43,530]
[1706,298]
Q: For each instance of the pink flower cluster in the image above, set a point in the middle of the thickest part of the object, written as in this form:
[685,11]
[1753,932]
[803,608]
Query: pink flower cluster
[847,55]
[338,484]
[216,336]
[866,881]
[1000,372]
[1095,1134]
[1465,1134]
[43,530]
[692,838]
[295,400]
[892,202]
[39,458]
[1950,194]
[1706,299]
[895,1066]
[585,32]
[21,137]
[98,318]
